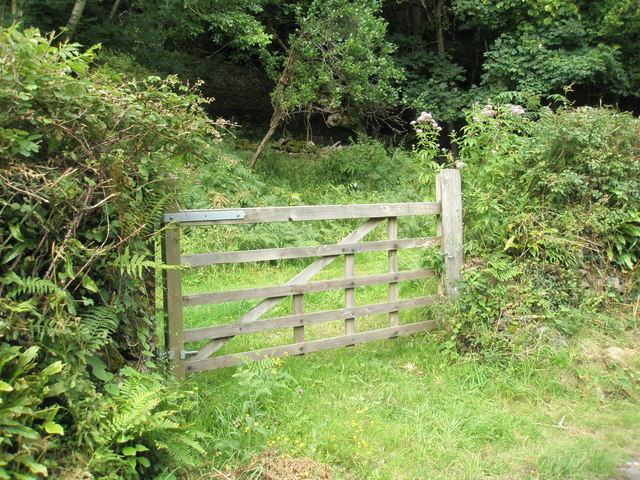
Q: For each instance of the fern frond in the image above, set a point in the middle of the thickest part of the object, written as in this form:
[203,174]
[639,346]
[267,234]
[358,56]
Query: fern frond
[134,265]
[97,324]
[181,448]
[156,423]
[39,286]
[135,410]
[148,208]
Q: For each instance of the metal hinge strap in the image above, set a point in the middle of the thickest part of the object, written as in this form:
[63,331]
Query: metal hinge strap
[202,216]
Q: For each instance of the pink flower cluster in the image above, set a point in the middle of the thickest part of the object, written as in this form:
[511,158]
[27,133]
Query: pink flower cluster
[426,117]
[488,111]
[516,110]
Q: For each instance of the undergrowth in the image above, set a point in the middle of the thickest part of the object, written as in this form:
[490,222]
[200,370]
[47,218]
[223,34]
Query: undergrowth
[83,158]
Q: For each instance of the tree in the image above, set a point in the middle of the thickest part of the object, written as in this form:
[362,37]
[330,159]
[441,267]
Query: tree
[428,51]
[539,46]
[339,63]
[74,18]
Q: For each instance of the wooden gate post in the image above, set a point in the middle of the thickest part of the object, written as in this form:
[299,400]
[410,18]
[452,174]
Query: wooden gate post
[449,227]
[173,326]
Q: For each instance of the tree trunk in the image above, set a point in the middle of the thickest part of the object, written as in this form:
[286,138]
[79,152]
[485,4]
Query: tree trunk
[114,9]
[14,7]
[437,13]
[276,118]
[278,104]
[74,19]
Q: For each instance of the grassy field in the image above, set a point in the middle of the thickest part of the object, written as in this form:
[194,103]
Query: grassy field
[402,409]
[398,410]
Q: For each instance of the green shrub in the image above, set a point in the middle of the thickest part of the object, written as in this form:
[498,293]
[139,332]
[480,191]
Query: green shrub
[587,161]
[83,158]
[562,186]
[142,429]
[508,307]
[551,202]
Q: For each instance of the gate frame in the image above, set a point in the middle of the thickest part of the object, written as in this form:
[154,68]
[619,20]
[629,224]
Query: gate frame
[447,208]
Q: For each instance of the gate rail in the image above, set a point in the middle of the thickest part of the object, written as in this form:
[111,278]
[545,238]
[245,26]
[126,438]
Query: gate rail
[447,208]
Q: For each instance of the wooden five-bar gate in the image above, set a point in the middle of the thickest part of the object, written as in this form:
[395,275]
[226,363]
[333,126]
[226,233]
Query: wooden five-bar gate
[448,211]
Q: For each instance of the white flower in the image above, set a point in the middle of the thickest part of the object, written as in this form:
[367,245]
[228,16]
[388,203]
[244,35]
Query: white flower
[516,110]
[460,164]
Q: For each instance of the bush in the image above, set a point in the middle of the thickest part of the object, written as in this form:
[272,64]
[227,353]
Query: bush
[83,158]
[511,306]
[586,162]
[551,203]
[563,188]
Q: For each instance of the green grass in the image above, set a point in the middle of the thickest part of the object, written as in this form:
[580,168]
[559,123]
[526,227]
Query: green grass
[401,409]
[397,409]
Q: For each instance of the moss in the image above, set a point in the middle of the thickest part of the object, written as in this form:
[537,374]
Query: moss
[244,144]
[289,145]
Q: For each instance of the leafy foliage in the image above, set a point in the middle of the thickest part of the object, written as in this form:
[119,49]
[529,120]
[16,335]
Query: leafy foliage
[27,424]
[550,216]
[545,61]
[145,423]
[435,83]
[341,62]
[83,158]
[559,186]
[511,307]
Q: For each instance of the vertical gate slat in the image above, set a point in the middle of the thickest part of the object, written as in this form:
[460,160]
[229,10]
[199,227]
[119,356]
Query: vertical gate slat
[449,227]
[174,331]
[349,293]
[298,309]
[392,227]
